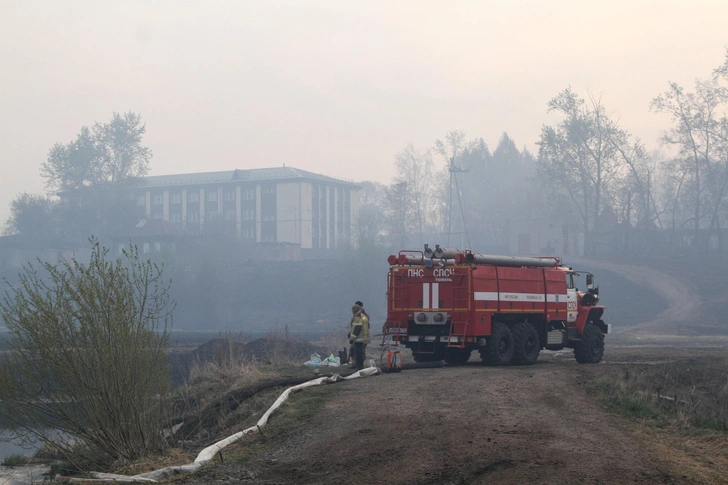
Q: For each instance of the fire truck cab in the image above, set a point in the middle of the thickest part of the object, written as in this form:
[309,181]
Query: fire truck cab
[445,303]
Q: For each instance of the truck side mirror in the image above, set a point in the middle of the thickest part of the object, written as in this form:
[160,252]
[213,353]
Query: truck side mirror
[589,280]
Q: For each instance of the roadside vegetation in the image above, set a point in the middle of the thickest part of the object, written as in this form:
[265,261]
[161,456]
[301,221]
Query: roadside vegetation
[684,395]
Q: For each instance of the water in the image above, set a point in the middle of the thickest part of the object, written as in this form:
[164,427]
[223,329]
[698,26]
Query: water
[21,475]
[8,446]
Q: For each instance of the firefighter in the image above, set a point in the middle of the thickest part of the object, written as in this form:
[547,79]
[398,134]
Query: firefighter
[359,334]
[351,344]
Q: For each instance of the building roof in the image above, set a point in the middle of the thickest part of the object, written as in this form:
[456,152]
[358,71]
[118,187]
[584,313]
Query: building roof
[255,174]
[151,227]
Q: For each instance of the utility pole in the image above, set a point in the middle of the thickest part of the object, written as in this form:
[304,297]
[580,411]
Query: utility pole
[463,233]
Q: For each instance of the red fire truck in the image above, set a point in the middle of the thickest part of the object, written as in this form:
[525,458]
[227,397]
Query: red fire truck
[444,303]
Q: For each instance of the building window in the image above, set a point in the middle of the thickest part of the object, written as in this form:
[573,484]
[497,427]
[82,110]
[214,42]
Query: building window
[141,200]
[212,196]
[193,217]
[249,194]
[249,232]
[230,215]
[157,199]
[249,214]
[229,195]
[158,215]
[271,189]
[175,199]
[146,248]
[269,218]
[175,218]
[212,215]
[268,239]
[193,197]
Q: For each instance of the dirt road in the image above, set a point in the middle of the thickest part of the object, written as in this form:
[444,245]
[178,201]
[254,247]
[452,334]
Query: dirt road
[460,425]
[475,424]
[682,303]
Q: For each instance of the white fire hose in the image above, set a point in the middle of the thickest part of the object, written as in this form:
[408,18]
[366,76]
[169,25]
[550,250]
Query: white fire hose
[209,453]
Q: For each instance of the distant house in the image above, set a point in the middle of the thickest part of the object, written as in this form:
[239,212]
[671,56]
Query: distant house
[266,205]
[150,236]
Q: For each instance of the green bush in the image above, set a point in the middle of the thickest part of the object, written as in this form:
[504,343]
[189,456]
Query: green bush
[86,371]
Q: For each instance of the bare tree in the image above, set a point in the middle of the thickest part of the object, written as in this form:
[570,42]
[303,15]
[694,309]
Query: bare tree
[577,156]
[400,213]
[371,218]
[415,169]
[700,134]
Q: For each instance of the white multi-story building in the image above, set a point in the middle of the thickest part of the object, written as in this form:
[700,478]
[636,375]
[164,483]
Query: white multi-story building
[282,204]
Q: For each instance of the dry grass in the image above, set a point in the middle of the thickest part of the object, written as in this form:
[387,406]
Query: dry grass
[678,408]
[689,394]
[701,457]
[174,457]
[210,400]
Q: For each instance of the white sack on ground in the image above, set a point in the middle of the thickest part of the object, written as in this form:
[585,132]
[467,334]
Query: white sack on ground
[209,453]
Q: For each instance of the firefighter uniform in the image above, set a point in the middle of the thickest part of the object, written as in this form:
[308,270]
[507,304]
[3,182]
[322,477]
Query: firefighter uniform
[359,334]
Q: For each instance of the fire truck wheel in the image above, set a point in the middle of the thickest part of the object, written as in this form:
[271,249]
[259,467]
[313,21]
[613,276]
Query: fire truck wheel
[499,348]
[426,356]
[457,356]
[526,345]
[590,349]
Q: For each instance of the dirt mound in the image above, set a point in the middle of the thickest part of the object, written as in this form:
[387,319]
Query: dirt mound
[217,350]
[224,350]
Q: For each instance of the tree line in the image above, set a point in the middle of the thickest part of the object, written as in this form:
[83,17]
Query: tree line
[587,165]
[458,191]
[100,163]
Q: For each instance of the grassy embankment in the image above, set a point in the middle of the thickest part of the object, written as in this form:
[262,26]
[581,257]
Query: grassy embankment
[229,385]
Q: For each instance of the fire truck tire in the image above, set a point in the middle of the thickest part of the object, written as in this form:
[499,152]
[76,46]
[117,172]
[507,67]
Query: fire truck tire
[426,356]
[526,345]
[499,348]
[590,349]
[457,356]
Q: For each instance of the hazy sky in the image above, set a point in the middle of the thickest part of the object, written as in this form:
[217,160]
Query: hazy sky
[336,87]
